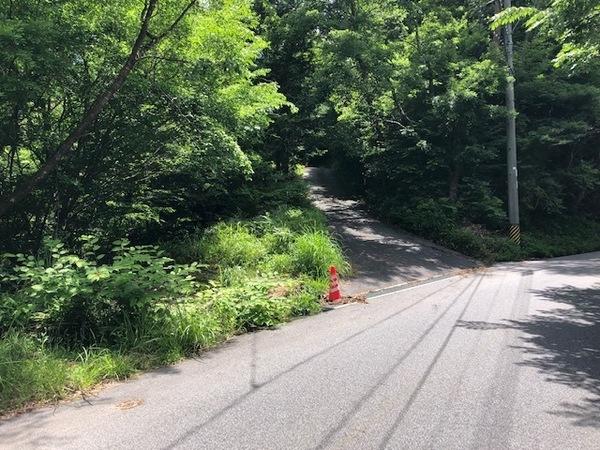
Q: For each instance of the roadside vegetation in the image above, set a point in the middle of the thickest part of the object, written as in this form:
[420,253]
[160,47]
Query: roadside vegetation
[72,319]
[560,236]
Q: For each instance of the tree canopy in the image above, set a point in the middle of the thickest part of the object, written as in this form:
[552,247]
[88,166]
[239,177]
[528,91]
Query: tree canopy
[169,143]
[404,98]
[407,100]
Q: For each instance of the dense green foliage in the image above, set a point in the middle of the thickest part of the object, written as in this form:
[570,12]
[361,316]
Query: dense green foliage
[172,149]
[134,307]
[129,130]
[407,101]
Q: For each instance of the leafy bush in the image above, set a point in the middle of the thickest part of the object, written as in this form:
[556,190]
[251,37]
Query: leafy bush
[482,245]
[260,312]
[305,303]
[566,236]
[78,299]
[134,308]
[428,217]
[265,302]
[34,370]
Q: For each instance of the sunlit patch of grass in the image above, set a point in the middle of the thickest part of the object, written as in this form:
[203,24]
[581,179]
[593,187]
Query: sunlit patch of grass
[232,244]
[31,370]
[313,253]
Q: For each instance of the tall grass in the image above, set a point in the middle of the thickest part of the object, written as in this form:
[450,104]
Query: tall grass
[287,241]
[258,273]
[231,244]
[31,370]
[314,252]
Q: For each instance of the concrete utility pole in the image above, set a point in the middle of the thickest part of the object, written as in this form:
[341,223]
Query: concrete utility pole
[511,133]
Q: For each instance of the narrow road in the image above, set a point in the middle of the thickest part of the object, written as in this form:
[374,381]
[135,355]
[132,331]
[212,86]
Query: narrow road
[381,255]
[505,358]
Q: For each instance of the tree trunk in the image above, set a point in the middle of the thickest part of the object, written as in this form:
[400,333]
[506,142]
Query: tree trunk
[137,51]
[453,183]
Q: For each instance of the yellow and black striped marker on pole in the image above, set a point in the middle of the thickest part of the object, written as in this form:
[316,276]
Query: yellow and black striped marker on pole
[515,234]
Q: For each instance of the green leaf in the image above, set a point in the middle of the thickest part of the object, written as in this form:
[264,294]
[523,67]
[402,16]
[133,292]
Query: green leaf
[512,15]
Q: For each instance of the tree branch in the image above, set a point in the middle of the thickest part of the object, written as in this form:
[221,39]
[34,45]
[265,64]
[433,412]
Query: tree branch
[156,39]
[89,117]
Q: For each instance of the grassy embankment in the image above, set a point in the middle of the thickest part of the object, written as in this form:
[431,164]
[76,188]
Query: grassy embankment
[561,238]
[71,320]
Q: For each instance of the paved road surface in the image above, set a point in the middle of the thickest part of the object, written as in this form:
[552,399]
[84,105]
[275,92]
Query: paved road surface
[505,358]
[381,256]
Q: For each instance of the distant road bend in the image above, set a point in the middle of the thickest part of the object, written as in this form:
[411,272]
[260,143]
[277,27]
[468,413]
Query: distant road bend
[381,255]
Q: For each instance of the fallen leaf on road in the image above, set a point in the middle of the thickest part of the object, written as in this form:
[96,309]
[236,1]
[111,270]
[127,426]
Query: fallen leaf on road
[129,404]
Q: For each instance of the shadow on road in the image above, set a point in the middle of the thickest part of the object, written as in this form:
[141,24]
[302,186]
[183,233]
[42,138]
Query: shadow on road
[563,343]
[183,438]
[576,265]
[380,255]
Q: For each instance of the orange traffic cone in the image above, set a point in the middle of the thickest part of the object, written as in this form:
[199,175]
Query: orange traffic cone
[334,287]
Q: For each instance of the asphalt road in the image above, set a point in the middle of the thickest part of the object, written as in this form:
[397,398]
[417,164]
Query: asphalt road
[504,358]
[381,256]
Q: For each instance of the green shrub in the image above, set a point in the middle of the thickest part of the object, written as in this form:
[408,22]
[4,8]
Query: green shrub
[79,300]
[501,248]
[261,313]
[278,190]
[313,253]
[465,241]
[186,248]
[305,304]
[133,308]
[233,276]
[429,218]
[482,245]
[232,244]
[561,237]
[265,302]
[255,303]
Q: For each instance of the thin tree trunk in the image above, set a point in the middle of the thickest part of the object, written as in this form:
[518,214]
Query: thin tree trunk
[89,117]
[137,51]
[454,181]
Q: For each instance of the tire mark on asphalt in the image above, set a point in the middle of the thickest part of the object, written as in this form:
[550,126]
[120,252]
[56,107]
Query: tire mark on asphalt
[457,385]
[358,404]
[496,423]
[257,386]
[427,373]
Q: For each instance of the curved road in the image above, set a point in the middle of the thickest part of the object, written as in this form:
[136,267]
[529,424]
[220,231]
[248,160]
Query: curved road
[505,358]
[381,256]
